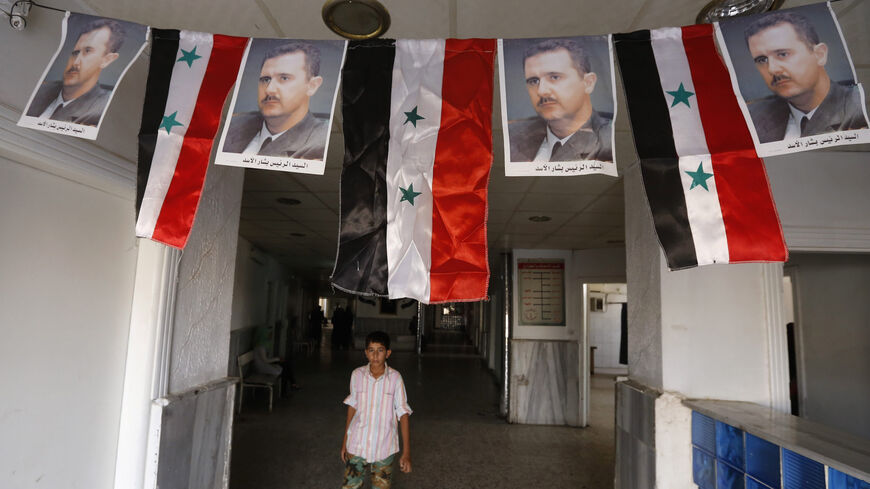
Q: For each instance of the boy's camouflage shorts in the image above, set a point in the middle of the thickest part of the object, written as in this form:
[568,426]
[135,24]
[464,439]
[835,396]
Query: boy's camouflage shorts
[355,471]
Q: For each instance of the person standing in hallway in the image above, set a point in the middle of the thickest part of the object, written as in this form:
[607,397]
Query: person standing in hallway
[315,325]
[377,400]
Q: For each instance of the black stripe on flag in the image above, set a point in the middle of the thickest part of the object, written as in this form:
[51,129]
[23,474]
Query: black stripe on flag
[654,139]
[164,48]
[361,262]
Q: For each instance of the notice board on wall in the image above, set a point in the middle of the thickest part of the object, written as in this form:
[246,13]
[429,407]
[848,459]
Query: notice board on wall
[541,289]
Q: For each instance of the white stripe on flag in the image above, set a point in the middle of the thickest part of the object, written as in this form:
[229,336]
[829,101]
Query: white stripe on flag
[418,71]
[702,205]
[673,66]
[183,93]
[704,211]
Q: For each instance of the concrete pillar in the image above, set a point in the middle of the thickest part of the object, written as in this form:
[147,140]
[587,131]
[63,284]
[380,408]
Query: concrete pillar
[709,332]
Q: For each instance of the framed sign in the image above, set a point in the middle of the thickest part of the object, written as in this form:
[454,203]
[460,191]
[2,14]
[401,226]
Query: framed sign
[541,289]
[545,299]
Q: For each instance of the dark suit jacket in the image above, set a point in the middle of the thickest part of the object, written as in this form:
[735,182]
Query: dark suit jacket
[841,110]
[593,141]
[85,110]
[305,140]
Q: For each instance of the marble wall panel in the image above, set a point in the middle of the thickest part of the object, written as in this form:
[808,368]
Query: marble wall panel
[545,382]
[635,437]
[195,437]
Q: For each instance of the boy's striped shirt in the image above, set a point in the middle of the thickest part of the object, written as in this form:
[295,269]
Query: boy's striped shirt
[379,403]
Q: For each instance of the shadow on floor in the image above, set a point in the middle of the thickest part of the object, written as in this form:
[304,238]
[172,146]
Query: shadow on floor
[457,439]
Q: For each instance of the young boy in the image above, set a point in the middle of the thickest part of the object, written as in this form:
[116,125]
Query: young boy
[377,399]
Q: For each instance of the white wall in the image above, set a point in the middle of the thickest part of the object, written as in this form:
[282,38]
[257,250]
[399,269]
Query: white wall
[599,265]
[714,343]
[822,199]
[67,256]
[833,327]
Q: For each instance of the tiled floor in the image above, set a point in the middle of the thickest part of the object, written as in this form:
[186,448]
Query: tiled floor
[457,439]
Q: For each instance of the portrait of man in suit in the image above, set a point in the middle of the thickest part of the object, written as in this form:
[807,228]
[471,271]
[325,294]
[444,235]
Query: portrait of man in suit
[79,97]
[559,80]
[791,59]
[283,125]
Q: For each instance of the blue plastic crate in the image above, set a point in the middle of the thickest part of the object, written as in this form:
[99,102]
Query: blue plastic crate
[762,460]
[728,477]
[839,480]
[799,472]
[703,469]
[754,484]
[704,432]
[729,445]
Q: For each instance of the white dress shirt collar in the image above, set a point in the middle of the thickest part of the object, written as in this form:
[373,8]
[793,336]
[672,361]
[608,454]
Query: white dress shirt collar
[793,127]
[254,146]
[545,151]
[58,102]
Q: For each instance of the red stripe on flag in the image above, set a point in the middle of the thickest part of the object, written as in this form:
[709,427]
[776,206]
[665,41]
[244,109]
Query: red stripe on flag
[751,222]
[463,157]
[182,198]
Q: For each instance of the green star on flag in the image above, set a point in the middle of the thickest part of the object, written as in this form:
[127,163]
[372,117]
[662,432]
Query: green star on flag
[681,95]
[189,57]
[412,117]
[409,194]
[699,177]
[169,122]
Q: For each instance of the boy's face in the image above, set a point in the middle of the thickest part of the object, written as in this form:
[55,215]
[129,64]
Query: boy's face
[377,354]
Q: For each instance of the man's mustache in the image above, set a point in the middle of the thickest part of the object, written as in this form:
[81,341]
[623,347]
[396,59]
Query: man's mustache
[72,70]
[546,100]
[270,98]
[779,78]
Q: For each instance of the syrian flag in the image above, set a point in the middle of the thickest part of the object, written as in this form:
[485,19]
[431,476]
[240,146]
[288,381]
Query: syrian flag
[188,80]
[706,187]
[418,150]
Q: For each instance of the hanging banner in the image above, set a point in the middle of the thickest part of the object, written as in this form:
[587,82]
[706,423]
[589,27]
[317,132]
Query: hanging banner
[794,79]
[80,80]
[707,189]
[189,76]
[558,103]
[282,106]
[417,118]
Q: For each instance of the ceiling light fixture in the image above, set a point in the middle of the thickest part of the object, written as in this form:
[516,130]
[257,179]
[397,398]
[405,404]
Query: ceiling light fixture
[718,10]
[540,218]
[288,201]
[356,19]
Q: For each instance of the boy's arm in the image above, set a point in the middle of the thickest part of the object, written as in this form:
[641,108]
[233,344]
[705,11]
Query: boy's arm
[405,459]
[350,412]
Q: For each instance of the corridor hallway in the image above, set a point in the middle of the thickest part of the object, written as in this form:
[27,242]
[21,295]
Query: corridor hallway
[457,439]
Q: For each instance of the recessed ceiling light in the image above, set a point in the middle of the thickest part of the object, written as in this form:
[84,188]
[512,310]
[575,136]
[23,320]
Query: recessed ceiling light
[298,235]
[288,201]
[718,10]
[356,19]
[539,218]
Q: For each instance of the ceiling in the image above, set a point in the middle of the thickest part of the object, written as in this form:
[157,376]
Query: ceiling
[585,211]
